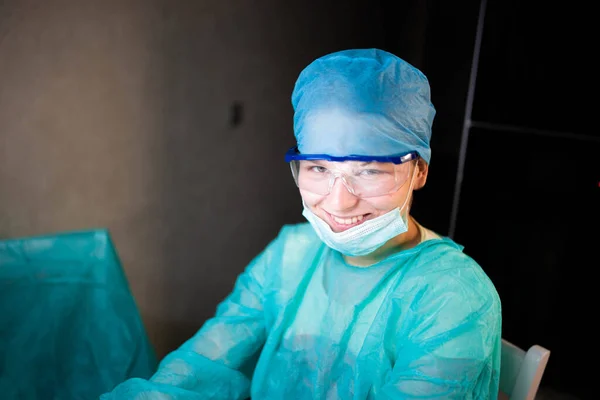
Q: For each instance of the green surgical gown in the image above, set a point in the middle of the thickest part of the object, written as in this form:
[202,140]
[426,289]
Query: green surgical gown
[301,323]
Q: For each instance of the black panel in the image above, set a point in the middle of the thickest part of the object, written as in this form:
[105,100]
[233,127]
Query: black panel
[531,218]
[536,66]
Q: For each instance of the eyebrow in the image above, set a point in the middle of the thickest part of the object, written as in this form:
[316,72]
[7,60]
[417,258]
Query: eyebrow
[319,162]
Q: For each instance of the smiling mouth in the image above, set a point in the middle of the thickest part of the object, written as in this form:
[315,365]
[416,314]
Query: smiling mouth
[339,224]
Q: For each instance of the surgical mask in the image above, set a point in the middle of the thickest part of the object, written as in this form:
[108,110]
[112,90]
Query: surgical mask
[367,237]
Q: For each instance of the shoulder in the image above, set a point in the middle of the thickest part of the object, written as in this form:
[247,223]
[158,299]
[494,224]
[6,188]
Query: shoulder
[443,293]
[441,268]
[295,249]
[298,237]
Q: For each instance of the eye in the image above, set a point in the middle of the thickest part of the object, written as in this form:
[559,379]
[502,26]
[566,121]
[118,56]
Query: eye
[371,172]
[318,169]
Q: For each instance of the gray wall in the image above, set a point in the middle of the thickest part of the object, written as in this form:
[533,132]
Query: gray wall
[118,114]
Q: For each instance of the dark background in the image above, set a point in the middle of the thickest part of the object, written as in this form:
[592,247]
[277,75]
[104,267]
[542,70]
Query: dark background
[167,121]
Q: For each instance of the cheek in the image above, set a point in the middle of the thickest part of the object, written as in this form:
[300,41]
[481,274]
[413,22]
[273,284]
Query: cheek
[387,203]
[311,199]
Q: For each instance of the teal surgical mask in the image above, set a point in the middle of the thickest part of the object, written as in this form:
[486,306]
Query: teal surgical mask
[367,237]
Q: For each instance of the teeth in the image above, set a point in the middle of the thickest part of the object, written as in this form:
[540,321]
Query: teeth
[348,221]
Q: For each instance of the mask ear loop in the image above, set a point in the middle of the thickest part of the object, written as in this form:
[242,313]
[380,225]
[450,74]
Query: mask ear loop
[412,181]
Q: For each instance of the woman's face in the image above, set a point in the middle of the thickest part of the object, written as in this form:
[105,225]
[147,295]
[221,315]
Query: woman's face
[343,210]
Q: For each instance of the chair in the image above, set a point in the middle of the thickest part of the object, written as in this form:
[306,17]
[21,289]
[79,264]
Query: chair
[521,371]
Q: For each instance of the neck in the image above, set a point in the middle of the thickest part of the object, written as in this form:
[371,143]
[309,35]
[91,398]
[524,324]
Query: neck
[404,241]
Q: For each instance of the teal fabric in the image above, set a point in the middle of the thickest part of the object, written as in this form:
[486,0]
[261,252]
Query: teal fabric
[69,326]
[302,324]
[362,102]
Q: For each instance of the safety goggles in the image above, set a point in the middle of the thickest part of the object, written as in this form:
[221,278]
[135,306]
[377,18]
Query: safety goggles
[363,176]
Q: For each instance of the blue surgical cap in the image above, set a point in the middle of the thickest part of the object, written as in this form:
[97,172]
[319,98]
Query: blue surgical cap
[362,102]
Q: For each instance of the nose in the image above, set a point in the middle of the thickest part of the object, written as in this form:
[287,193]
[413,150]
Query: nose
[340,198]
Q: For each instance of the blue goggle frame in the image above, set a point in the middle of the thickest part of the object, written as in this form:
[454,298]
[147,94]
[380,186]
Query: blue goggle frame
[293,154]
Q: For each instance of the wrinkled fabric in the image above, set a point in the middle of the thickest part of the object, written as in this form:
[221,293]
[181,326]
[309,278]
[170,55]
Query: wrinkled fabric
[362,102]
[69,326]
[302,324]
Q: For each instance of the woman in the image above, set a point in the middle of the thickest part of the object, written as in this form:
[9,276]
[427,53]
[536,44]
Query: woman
[361,302]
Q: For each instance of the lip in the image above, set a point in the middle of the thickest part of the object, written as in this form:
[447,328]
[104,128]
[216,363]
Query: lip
[337,227]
